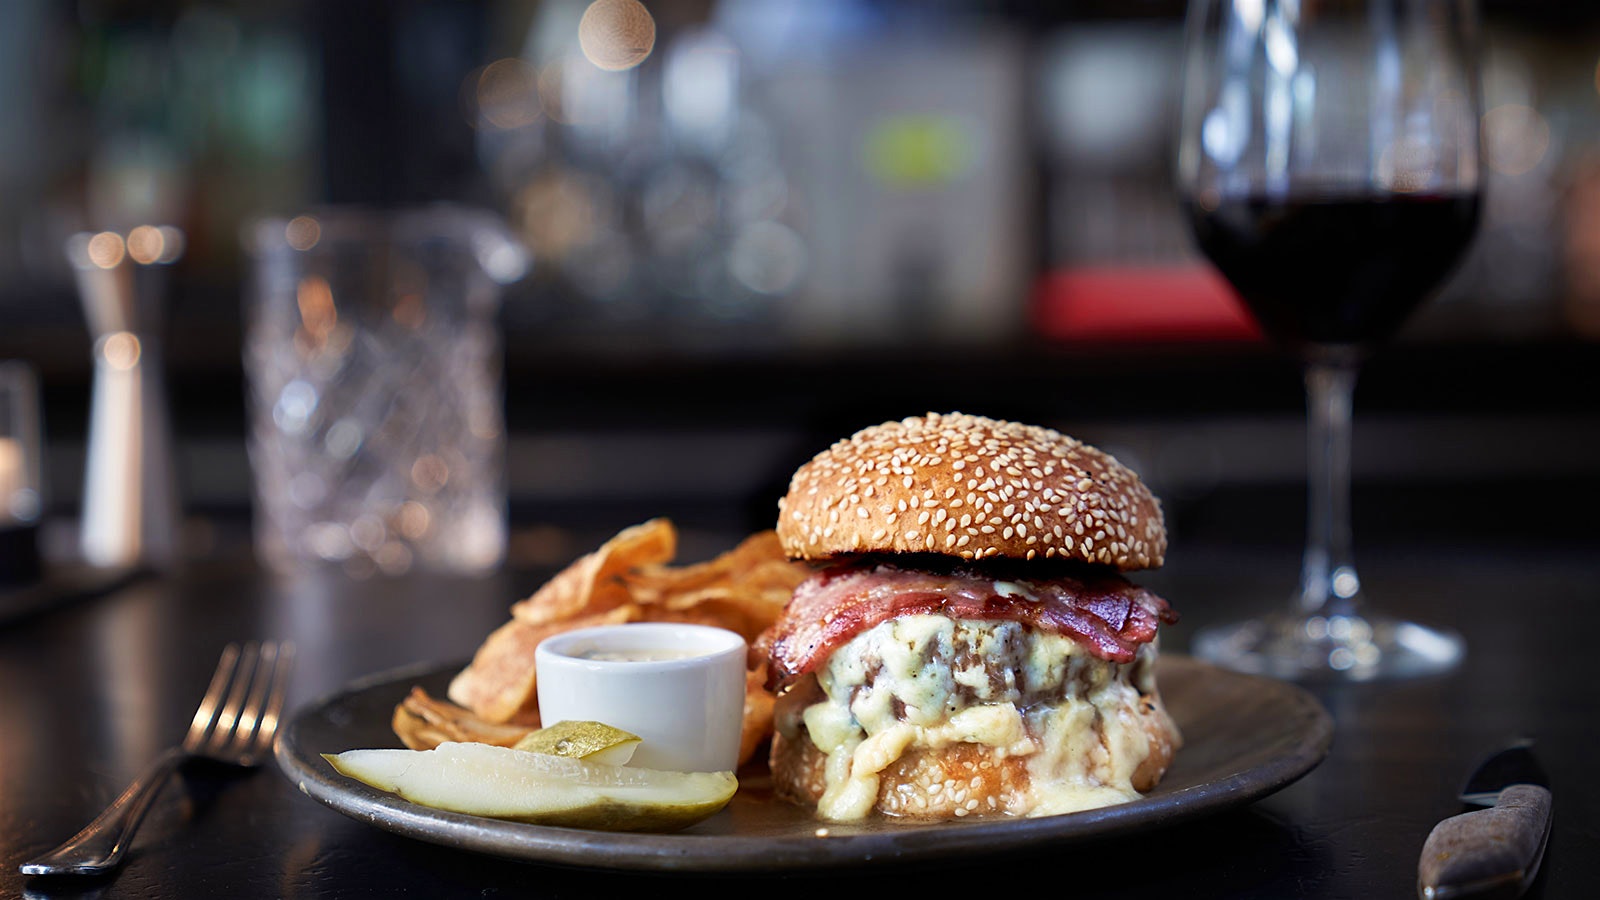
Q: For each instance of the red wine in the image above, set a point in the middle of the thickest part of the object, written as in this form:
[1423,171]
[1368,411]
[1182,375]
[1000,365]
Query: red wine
[1335,270]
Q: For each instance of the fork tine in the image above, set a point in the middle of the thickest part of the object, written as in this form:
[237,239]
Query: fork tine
[222,732]
[205,714]
[268,729]
[260,680]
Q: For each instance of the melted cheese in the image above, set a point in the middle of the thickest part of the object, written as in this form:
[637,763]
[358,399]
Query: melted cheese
[1021,692]
[1012,589]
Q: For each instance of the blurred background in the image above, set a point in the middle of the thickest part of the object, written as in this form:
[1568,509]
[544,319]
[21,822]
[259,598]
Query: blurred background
[791,219]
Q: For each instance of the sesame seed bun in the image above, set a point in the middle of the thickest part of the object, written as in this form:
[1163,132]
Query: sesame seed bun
[972,487]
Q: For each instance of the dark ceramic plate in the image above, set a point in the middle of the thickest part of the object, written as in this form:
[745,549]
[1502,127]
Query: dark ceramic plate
[1246,737]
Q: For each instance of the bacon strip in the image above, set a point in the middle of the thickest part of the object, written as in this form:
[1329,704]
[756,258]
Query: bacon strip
[1108,615]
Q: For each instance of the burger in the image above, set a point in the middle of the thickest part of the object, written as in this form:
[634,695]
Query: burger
[967,644]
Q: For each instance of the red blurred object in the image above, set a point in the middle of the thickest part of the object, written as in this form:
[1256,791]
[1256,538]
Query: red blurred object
[1140,303]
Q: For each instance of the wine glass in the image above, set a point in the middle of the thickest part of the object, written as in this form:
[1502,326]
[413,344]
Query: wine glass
[1328,164]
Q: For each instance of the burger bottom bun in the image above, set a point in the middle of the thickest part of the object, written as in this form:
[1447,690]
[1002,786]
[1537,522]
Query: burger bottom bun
[928,783]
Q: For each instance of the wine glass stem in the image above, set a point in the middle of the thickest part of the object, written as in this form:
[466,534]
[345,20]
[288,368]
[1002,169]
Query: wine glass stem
[1329,585]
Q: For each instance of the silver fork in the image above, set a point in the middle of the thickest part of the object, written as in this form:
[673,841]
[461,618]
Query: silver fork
[234,727]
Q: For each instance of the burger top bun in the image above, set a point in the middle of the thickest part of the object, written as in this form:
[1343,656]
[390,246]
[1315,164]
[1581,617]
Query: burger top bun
[977,488]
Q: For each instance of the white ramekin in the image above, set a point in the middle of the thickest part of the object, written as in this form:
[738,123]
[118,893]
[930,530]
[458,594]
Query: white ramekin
[687,711]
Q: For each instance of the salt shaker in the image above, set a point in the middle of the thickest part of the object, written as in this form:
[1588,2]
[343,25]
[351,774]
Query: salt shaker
[130,508]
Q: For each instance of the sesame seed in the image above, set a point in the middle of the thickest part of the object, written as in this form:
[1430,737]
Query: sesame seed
[1030,473]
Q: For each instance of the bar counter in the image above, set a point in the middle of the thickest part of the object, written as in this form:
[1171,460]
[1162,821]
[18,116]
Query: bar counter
[96,687]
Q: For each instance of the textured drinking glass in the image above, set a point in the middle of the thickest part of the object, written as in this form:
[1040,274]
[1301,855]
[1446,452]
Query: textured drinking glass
[373,362]
[20,500]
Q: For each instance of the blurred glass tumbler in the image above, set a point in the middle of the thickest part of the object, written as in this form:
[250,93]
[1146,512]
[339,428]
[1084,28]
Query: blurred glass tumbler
[20,446]
[373,362]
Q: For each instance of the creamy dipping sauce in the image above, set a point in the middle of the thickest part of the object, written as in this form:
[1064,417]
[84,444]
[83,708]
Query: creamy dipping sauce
[638,654]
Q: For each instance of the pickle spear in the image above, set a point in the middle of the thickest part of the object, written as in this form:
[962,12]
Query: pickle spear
[540,788]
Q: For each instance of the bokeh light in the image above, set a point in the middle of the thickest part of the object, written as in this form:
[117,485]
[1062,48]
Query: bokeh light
[145,244]
[507,94]
[302,232]
[106,249]
[616,34]
[317,312]
[1515,138]
[120,350]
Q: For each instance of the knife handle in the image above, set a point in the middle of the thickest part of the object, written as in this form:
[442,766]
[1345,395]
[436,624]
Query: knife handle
[1491,852]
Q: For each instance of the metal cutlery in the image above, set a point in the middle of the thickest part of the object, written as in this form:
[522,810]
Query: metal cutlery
[233,727]
[1494,851]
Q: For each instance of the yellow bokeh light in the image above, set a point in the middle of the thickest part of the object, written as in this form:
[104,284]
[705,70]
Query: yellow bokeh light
[145,244]
[549,84]
[317,312]
[120,350]
[616,34]
[430,472]
[413,520]
[106,249]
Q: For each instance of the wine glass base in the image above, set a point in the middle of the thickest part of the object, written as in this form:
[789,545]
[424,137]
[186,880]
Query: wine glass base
[1331,648]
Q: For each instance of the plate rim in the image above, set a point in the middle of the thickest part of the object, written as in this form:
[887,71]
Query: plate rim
[829,846]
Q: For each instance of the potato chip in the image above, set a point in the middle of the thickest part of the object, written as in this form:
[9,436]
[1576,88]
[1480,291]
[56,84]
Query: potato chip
[630,578]
[591,583]
[758,705]
[659,582]
[423,722]
[499,683]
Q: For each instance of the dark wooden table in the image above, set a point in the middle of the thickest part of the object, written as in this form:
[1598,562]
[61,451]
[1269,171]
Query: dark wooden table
[91,690]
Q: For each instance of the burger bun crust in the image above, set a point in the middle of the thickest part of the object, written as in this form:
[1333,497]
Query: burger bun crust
[974,488]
